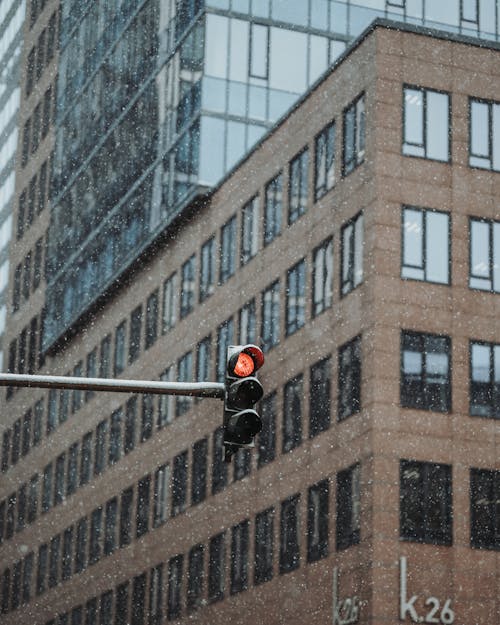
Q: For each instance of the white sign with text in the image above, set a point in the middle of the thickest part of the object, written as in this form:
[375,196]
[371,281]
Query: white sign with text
[436,610]
[345,611]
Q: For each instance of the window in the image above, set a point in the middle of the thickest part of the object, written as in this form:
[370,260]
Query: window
[160,495]
[289,534]
[106,608]
[41,572]
[156,595]
[485,509]
[271,316]
[319,397]
[81,545]
[425,502]
[187,286]
[199,474]
[21,507]
[134,346]
[266,443]
[317,521]
[484,255]
[105,361]
[273,209]
[151,331]
[225,337]
[227,250]
[179,483]
[348,507]
[72,469]
[91,611]
[324,164]
[247,323]
[165,402]
[322,280]
[16,441]
[219,467]
[67,553]
[77,395]
[130,425]
[77,616]
[175,566]
[110,526]
[354,135]
[351,254]
[184,374]
[147,416]
[485,379]
[425,245]
[126,500]
[349,401]
[101,435]
[195,577]
[259,46]
[142,508]
[119,364]
[26,433]
[6,441]
[47,488]
[242,463]
[115,436]
[86,458]
[59,479]
[203,360]
[298,186]
[426,123]
[169,316]
[27,575]
[52,411]
[37,423]
[54,555]
[91,371]
[32,500]
[239,557]
[425,371]
[292,413]
[249,230]
[216,567]
[95,548]
[295,297]
[138,599]
[207,269]
[484,140]
[264,534]
[4,607]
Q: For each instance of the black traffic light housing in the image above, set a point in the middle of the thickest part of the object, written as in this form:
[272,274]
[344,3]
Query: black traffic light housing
[243,391]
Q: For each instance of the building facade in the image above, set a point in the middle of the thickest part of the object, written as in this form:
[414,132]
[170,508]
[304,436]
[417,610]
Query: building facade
[359,244]
[11,31]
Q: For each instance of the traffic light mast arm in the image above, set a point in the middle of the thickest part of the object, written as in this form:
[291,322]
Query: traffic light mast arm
[193,389]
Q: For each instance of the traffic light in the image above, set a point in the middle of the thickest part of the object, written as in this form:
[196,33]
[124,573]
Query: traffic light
[243,391]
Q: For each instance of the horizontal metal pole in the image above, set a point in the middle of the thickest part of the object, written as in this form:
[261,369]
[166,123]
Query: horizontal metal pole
[194,389]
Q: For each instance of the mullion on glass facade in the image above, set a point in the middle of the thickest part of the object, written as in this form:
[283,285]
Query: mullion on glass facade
[425,371]
[484,134]
[485,509]
[295,297]
[324,161]
[425,502]
[322,278]
[484,392]
[271,316]
[426,123]
[348,507]
[273,209]
[484,256]
[425,248]
[351,254]
[354,135]
[298,186]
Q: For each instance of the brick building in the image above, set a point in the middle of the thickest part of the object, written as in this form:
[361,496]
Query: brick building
[359,243]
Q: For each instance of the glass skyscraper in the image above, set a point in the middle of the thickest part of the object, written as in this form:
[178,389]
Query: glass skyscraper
[11,36]
[158,100]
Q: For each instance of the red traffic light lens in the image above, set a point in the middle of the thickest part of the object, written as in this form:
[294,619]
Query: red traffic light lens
[244,365]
